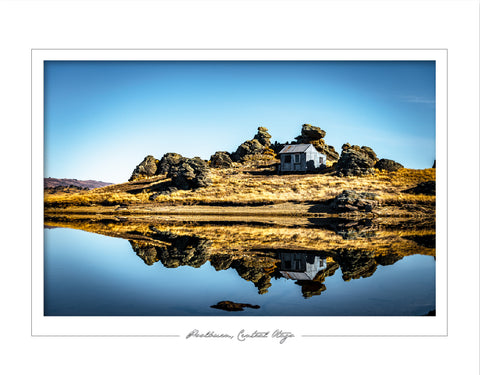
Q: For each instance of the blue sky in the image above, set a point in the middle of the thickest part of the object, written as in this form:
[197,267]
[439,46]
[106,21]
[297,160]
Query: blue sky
[102,118]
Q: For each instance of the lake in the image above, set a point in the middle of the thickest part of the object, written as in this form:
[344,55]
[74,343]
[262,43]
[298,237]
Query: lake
[186,268]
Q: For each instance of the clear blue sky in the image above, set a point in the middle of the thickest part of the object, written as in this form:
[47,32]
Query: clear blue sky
[103,118]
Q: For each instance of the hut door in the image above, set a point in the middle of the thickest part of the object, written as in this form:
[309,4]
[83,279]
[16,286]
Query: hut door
[297,164]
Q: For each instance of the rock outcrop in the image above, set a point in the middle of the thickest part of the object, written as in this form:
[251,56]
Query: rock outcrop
[185,173]
[147,168]
[388,165]
[314,135]
[426,188]
[189,174]
[356,161]
[259,145]
[221,159]
[233,306]
[263,137]
[167,161]
[350,200]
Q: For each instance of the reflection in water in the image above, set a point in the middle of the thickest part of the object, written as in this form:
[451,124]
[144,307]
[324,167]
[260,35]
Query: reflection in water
[307,268]
[307,255]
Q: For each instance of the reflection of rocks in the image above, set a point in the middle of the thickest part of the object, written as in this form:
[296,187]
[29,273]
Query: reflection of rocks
[350,200]
[233,306]
[311,288]
[388,259]
[177,250]
[146,251]
[353,229]
[427,240]
[356,264]
[255,269]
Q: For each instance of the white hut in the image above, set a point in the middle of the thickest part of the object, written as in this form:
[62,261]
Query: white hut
[301,158]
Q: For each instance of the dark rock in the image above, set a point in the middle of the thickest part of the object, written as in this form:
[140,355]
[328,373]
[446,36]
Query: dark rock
[434,164]
[350,200]
[263,137]
[168,160]
[248,148]
[314,135]
[189,174]
[166,191]
[388,165]
[356,161]
[147,168]
[426,188]
[259,146]
[233,306]
[221,159]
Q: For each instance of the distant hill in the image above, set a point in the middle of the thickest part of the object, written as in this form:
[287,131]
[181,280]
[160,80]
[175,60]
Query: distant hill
[50,183]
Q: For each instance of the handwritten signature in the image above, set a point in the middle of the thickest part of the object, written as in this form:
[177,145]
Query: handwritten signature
[243,335]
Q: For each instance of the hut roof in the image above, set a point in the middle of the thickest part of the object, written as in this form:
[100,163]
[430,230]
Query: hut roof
[291,149]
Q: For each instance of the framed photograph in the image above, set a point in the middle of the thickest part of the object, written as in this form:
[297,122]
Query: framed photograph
[239,194]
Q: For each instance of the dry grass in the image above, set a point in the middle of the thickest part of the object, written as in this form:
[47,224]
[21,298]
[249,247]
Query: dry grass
[247,186]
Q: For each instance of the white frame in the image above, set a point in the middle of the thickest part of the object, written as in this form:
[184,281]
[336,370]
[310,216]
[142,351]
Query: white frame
[179,327]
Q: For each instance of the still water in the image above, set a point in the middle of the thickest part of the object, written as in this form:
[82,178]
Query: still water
[89,274]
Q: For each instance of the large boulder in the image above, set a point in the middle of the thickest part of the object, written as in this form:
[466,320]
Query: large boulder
[147,168]
[189,174]
[350,200]
[356,161]
[254,147]
[311,132]
[388,165]
[221,159]
[426,188]
[314,135]
[263,137]
[248,148]
[167,161]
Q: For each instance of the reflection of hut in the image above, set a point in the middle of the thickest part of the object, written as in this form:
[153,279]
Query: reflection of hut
[301,158]
[301,266]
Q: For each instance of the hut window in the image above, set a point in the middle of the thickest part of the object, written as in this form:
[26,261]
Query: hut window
[297,158]
[288,159]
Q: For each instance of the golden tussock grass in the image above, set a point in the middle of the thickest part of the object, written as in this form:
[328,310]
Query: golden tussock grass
[241,186]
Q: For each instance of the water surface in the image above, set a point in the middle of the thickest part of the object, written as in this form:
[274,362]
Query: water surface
[172,274]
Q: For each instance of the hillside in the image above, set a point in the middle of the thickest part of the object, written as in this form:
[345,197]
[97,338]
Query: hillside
[49,183]
[251,190]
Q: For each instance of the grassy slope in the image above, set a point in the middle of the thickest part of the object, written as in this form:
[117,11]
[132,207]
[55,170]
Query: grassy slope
[252,187]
